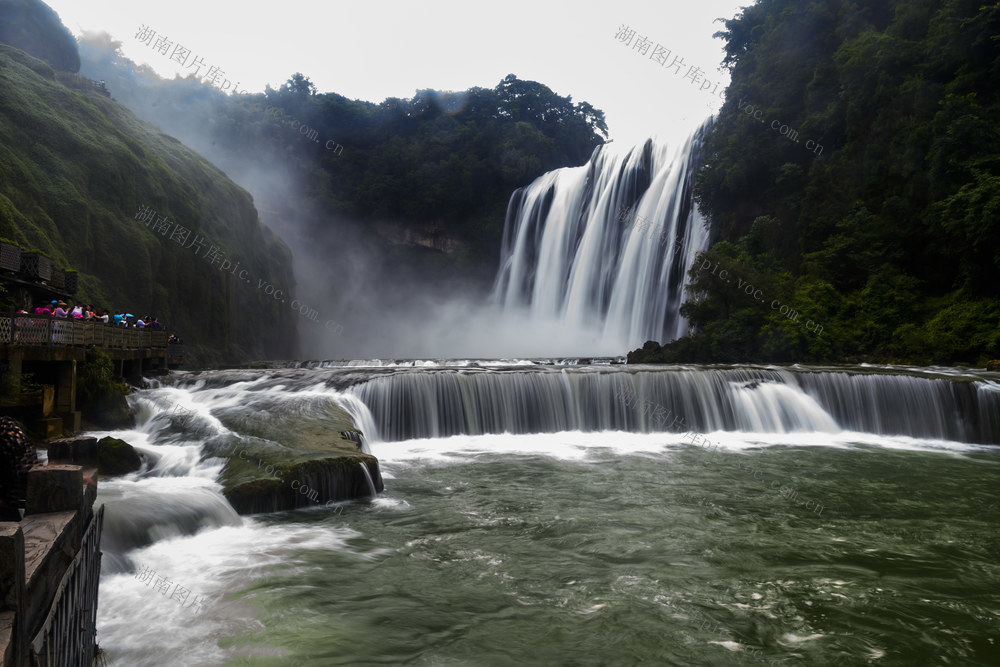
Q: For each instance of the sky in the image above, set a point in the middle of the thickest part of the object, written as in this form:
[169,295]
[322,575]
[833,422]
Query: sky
[391,48]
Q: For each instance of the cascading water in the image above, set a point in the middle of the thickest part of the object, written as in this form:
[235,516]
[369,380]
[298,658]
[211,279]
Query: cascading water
[443,402]
[372,491]
[605,248]
[565,496]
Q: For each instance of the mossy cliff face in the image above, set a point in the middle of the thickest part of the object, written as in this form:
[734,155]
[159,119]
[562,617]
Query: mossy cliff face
[76,167]
[290,461]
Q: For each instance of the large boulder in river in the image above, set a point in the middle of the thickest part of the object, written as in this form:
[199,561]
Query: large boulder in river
[116,457]
[317,482]
[291,460]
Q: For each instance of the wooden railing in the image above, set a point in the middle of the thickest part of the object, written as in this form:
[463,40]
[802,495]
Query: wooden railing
[34,330]
[66,638]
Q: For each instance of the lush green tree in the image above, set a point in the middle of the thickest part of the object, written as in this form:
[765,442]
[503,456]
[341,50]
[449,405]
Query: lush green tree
[888,235]
[439,160]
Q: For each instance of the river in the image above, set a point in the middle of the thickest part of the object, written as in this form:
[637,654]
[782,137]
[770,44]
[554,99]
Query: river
[554,513]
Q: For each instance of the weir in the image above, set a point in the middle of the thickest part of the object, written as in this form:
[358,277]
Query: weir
[443,402]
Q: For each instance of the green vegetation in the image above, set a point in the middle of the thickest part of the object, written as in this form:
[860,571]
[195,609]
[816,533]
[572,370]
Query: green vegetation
[98,395]
[17,391]
[441,164]
[75,167]
[887,237]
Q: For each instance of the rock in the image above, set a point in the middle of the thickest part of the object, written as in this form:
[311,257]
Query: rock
[316,464]
[304,483]
[116,457]
[354,435]
[645,354]
[81,450]
[993,366]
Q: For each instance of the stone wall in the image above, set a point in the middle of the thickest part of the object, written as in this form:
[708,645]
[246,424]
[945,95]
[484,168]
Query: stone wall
[44,568]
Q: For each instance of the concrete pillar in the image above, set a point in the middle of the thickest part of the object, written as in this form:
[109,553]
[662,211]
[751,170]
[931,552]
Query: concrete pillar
[66,389]
[48,400]
[10,371]
[15,357]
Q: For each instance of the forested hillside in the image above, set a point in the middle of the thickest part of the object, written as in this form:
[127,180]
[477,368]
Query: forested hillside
[76,168]
[438,164]
[853,178]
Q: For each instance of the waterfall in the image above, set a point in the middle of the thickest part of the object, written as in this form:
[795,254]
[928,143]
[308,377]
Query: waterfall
[443,402]
[372,491]
[604,248]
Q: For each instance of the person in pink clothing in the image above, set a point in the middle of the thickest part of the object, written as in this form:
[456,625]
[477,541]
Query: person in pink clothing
[60,311]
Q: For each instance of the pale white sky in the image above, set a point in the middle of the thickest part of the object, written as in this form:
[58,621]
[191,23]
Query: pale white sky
[374,50]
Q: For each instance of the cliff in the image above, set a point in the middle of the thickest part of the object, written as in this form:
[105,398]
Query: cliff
[75,170]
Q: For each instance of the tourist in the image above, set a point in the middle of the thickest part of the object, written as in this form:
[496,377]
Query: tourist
[174,340]
[104,317]
[118,318]
[43,310]
[60,311]
[155,324]
[140,324]
[77,311]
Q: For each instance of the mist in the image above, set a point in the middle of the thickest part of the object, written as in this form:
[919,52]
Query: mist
[357,294]
[349,299]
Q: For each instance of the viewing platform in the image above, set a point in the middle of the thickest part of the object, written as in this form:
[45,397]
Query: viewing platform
[49,348]
[47,331]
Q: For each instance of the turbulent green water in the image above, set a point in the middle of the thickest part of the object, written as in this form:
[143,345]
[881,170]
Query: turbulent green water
[806,532]
[667,556]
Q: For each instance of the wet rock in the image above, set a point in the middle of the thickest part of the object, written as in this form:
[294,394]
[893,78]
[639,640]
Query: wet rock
[116,457]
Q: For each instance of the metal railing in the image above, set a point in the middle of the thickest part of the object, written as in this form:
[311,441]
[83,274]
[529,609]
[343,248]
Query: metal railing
[66,638]
[36,330]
